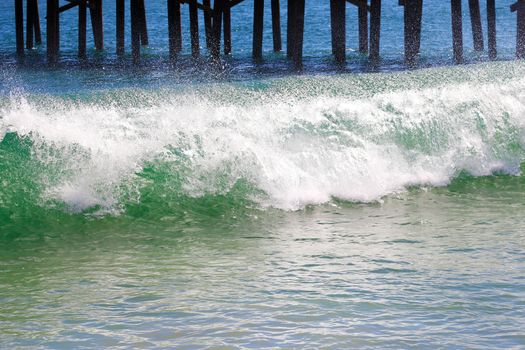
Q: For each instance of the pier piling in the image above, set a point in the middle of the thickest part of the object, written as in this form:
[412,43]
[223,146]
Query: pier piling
[19,20]
[174,28]
[36,23]
[491,29]
[276,25]
[457,30]
[362,14]
[29,25]
[227,29]
[33,35]
[475,19]
[289,27]
[338,28]
[218,9]
[194,28]
[375,29]
[258,21]
[207,22]
[298,33]
[97,23]
[135,30]
[519,8]
[412,28]
[52,21]
[144,39]
[121,25]
[82,28]
[218,21]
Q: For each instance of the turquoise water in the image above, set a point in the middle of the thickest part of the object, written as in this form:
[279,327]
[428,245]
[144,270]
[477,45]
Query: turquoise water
[247,207]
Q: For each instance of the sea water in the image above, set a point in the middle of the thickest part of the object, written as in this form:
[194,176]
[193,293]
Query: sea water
[250,206]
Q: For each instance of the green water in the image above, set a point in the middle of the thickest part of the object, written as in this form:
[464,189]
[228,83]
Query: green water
[372,211]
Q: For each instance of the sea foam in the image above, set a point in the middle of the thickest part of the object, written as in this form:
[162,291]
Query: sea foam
[296,147]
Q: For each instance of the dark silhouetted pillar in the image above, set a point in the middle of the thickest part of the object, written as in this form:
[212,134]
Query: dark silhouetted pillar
[227,29]
[475,19]
[258,20]
[19,20]
[52,30]
[298,33]
[218,9]
[413,13]
[519,7]
[276,25]
[97,23]
[491,29]
[144,39]
[82,28]
[457,30]
[194,28]
[121,25]
[290,22]
[338,24]
[375,28]
[135,30]
[174,28]
[362,13]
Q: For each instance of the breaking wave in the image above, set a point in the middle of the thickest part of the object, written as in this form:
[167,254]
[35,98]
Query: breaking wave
[284,143]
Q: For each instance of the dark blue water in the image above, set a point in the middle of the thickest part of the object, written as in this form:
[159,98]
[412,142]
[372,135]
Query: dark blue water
[436,47]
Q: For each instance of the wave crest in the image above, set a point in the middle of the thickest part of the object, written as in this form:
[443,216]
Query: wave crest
[291,148]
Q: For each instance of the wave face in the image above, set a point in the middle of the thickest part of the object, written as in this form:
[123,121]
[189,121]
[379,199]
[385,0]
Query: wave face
[284,143]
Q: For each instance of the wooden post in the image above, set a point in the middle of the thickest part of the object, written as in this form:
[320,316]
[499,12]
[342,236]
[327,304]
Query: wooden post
[82,26]
[298,34]
[19,20]
[413,12]
[174,28]
[276,25]
[227,29]
[57,26]
[121,25]
[457,30]
[362,13]
[52,30]
[338,24]
[33,34]
[135,30]
[375,28]
[36,23]
[519,7]
[218,9]
[491,28]
[475,19]
[419,9]
[290,27]
[258,20]
[97,23]
[194,28]
[143,24]
[207,23]
[29,24]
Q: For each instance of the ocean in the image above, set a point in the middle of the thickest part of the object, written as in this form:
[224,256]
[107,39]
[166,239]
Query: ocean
[255,206]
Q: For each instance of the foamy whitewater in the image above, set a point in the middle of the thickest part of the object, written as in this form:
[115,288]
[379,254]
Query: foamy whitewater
[294,140]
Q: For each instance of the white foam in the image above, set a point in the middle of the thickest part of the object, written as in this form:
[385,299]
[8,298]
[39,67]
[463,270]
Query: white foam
[298,150]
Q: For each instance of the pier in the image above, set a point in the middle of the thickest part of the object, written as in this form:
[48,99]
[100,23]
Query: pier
[217,24]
